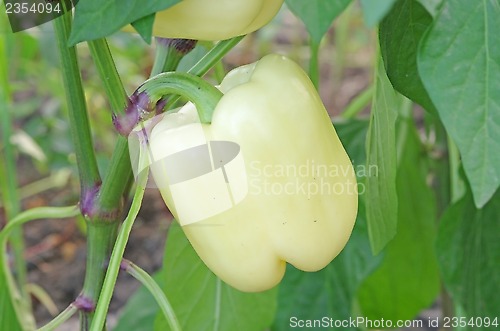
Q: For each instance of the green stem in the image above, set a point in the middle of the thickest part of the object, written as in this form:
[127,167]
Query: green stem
[106,68]
[193,88]
[214,55]
[40,295]
[36,214]
[60,319]
[113,189]
[219,71]
[344,22]
[314,63]
[78,117]
[8,173]
[169,53]
[148,281]
[117,255]
[211,59]
[102,237]
[359,103]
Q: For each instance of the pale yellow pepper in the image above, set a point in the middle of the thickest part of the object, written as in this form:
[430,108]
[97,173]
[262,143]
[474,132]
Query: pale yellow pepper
[214,19]
[279,186]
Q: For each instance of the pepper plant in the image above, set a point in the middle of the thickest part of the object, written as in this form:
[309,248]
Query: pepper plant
[411,217]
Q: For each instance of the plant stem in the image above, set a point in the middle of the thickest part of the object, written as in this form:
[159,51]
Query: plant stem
[341,35]
[457,187]
[314,63]
[359,103]
[60,319]
[148,281]
[214,55]
[106,68]
[116,180]
[78,117]
[169,52]
[117,255]
[102,235]
[211,59]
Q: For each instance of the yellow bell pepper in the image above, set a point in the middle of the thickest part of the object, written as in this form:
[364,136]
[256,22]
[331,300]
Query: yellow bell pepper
[214,19]
[266,183]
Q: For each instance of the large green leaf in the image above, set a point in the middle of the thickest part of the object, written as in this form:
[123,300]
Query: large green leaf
[381,202]
[375,10]
[202,301]
[140,311]
[408,279]
[400,34]
[459,62]
[317,15]
[96,18]
[468,248]
[8,316]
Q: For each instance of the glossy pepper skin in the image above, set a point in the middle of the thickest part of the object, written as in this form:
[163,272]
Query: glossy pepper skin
[214,19]
[301,202]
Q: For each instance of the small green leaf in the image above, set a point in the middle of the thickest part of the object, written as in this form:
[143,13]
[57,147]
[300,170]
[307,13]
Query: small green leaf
[144,26]
[201,300]
[408,279]
[460,68]
[96,19]
[400,34]
[468,248]
[381,199]
[374,11]
[317,15]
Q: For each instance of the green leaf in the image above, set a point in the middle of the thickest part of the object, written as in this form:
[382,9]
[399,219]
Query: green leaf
[144,26]
[460,68]
[381,202]
[400,34]
[331,291]
[352,134]
[140,312]
[317,15]
[375,10]
[432,6]
[201,300]
[96,19]
[468,249]
[408,279]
